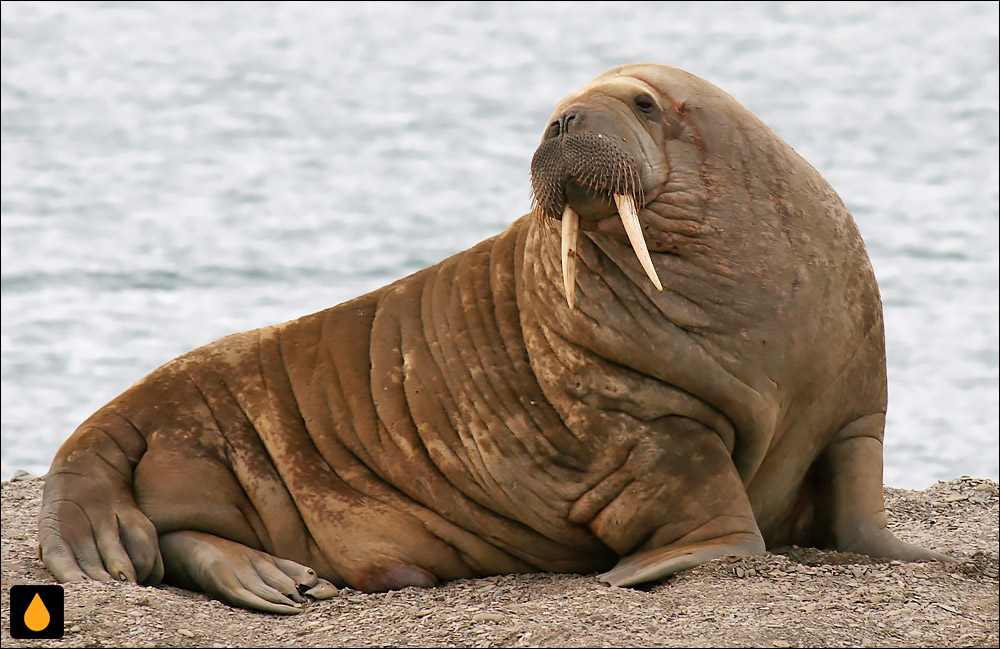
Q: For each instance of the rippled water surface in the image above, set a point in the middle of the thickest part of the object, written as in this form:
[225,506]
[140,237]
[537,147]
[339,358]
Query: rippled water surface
[174,172]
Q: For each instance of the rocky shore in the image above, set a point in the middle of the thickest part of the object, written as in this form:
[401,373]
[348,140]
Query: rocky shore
[793,597]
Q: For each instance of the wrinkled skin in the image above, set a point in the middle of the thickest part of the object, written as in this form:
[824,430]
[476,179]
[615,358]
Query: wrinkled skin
[466,421]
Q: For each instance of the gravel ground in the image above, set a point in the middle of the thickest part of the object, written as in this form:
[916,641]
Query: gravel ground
[794,597]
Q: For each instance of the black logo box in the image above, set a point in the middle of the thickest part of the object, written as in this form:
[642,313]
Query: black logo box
[51,598]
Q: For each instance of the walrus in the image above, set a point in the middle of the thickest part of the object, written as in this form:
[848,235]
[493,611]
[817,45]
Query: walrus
[677,355]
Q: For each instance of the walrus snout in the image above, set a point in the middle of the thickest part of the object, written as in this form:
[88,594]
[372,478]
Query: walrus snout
[578,172]
[583,161]
[584,169]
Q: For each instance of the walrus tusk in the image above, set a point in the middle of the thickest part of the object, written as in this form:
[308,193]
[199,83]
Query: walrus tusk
[630,219]
[570,232]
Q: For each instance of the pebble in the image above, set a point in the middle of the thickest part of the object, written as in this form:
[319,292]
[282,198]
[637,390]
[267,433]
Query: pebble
[75,628]
[487,617]
[781,643]
[185,633]
[945,607]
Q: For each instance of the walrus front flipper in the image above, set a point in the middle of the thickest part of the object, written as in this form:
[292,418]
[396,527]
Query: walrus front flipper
[664,512]
[658,563]
[234,573]
[90,525]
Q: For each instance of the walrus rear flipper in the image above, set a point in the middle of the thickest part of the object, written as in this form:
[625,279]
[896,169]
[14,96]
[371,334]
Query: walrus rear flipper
[857,511]
[90,525]
[240,575]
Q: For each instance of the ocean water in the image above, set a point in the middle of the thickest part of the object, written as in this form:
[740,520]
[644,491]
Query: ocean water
[174,172]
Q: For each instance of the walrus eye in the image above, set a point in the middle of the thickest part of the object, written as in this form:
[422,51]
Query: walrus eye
[645,103]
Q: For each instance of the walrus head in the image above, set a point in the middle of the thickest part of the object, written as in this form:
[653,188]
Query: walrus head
[601,152]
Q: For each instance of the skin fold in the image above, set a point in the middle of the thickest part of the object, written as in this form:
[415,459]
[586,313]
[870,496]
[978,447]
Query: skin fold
[474,418]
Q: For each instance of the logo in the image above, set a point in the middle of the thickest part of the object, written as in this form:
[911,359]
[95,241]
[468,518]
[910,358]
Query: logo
[36,612]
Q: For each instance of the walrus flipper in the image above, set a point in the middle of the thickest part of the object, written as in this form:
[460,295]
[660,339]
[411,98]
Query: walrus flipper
[90,525]
[857,510]
[660,530]
[658,563]
[237,574]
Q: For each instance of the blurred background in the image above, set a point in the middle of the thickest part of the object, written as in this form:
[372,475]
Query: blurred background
[173,172]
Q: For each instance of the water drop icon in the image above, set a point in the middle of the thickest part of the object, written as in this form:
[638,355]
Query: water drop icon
[36,617]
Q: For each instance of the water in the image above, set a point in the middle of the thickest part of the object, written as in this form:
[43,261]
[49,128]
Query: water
[175,172]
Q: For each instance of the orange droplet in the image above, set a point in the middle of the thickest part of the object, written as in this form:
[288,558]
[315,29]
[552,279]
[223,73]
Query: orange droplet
[37,616]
